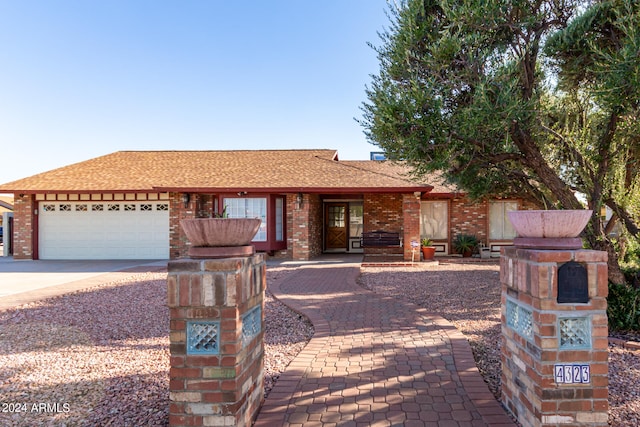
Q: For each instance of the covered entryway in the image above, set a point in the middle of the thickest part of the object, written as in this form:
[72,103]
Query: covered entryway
[103,230]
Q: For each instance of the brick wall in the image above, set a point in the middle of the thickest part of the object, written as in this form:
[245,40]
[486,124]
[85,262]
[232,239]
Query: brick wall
[467,217]
[383,212]
[204,205]
[23,221]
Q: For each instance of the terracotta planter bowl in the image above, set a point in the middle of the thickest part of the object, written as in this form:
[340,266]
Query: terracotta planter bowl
[549,224]
[428,252]
[216,232]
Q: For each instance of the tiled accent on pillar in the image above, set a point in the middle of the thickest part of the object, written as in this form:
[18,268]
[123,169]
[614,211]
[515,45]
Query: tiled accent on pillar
[216,340]
[554,355]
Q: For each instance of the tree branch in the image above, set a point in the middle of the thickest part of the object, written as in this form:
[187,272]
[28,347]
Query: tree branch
[575,154]
[624,216]
[532,157]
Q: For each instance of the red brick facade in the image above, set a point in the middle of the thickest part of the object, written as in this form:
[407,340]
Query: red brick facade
[304,221]
[383,212]
[468,217]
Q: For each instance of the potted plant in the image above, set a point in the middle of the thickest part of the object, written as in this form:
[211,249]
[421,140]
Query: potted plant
[428,251]
[465,244]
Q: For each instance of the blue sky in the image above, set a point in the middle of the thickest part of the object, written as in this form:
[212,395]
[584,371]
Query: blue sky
[79,79]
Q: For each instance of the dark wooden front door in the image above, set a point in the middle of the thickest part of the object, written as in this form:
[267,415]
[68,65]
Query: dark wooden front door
[336,226]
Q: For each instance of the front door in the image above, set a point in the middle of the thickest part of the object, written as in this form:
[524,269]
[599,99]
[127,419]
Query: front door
[336,226]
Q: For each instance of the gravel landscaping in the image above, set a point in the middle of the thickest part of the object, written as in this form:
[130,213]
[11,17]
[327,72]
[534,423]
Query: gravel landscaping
[100,356]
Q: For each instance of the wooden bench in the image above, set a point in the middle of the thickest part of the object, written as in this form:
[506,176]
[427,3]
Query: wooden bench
[380,239]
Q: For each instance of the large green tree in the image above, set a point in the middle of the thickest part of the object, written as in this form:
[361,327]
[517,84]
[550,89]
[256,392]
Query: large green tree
[535,99]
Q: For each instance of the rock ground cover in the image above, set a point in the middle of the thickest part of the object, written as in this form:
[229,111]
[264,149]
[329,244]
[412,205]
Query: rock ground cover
[100,356]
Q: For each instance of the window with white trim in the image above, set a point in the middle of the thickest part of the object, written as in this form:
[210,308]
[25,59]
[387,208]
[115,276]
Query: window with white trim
[249,208]
[500,227]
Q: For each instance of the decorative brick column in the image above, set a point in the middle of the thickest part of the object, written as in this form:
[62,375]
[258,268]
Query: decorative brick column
[24,219]
[216,340]
[554,353]
[411,223]
[304,226]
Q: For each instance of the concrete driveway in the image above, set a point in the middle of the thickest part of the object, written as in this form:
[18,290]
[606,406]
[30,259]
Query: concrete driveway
[27,281]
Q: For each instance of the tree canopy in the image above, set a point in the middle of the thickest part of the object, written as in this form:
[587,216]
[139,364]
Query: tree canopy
[536,99]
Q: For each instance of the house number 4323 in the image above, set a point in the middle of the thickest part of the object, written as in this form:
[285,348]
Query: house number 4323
[572,374]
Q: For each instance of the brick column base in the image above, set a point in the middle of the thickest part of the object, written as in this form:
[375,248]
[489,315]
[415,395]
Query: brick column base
[216,340]
[554,354]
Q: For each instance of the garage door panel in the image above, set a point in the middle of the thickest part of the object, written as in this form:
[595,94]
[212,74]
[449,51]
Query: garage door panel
[104,231]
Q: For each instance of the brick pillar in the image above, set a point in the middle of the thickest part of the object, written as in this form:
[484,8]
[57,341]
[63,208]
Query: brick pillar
[24,208]
[300,233]
[216,340]
[178,243]
[554,354]
[411,225]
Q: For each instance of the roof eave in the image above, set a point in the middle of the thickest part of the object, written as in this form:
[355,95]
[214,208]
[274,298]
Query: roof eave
[75,191]
[188,189]
[312,190]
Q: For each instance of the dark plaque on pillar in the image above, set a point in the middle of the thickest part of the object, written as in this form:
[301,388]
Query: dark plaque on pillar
[573,286]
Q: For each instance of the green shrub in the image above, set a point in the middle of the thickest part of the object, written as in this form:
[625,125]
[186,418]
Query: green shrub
[623,308]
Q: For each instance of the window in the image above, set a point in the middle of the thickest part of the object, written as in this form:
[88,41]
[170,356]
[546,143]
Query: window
[500,227]
[336,216]
[279,219]
[249,208]
[434,222]
[356,219]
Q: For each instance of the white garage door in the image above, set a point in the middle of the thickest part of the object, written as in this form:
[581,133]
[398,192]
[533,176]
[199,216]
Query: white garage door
[103,230]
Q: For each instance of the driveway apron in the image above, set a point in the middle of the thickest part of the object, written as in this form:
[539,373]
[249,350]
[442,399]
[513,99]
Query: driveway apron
[374,361]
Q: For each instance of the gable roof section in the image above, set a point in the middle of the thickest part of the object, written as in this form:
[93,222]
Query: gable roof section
[218,171]
[400,171]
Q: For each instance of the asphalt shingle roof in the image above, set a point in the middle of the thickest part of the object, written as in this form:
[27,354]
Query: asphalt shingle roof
[234,170]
